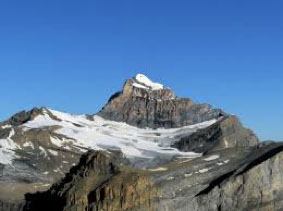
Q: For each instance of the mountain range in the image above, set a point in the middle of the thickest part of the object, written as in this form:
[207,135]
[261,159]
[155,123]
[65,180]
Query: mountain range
[146,149]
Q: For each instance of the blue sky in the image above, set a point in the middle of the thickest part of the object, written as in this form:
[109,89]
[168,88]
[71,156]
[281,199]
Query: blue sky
[72,55]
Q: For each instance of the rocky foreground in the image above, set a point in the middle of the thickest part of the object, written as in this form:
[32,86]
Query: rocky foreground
[230,179]
[145,150]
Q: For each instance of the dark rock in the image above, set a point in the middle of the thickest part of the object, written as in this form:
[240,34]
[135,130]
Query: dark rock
[11,206]
[24,116]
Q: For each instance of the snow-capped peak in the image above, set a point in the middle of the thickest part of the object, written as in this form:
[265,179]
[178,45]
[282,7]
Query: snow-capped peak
[144,82]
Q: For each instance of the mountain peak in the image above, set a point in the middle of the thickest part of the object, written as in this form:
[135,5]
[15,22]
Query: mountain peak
[143,87]
[144,103]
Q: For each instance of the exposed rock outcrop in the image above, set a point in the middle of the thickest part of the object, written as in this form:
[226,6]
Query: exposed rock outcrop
[24,116]
[257,186]
[101,181]
[143,107]
[108,182]
[227,132]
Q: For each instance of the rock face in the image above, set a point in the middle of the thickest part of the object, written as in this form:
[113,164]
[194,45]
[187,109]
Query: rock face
[144,107]
[228,132]
[107,182]
[145,150]
[96,184]
[30,159]
[256,186]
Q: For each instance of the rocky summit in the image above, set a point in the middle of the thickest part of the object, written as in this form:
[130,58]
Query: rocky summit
[145,150]
[144,104]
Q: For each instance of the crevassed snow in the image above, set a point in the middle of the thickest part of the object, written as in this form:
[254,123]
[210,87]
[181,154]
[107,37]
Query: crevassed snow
[104,134]
[7,147]
[143,80]
[6,156]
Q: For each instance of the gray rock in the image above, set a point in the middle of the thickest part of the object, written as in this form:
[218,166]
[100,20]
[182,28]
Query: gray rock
[155,108]
[250,180]
[227,132]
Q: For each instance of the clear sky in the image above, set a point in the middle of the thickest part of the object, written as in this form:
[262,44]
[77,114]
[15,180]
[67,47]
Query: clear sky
[72,55]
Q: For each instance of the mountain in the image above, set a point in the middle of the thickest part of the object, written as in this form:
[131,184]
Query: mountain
[145,150]
[143,104]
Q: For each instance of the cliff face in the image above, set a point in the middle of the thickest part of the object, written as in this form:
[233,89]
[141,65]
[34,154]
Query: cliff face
[257,186]
[228,132]
[101,181]
[142,108]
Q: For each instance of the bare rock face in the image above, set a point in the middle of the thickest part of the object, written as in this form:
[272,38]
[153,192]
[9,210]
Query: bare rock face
[253,181]
[143,106]
[96,184]
[258,185]
[22,117]
[227,132]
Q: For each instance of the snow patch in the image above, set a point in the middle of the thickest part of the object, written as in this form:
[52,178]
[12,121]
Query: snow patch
[158,169]
[7,147]
[203,170]
[145,81]
[140,86]
[170,178]
[212,157]
[188,175]
[6,156]
[56,141]
[43,151]
[226,143]
[53,152]
[6,126]
[28,144]
[184,161]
